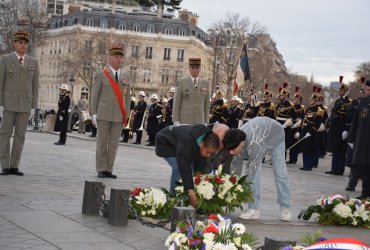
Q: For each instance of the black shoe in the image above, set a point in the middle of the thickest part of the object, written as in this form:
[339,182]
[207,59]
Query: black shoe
[92,135]
[291,162]
[83,132]
[138,143]
[15,171]
[314,166]
[79,132]
[5,171]
[302,169]
[329,172]
[59,143]
[101,174]
[110,175]
[124,141]
[349,188]
[150,145]
[308,169]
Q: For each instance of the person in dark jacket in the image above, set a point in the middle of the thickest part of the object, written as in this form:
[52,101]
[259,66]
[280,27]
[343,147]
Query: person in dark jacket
[185,148]
[154,114]
[139,112]
[235,113]
[359,139]
[62,114]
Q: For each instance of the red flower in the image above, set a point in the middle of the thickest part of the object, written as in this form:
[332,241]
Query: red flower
[135,192]
[232,179]
[195,242]
[213,217]
[219,180]
[197,179]
[211,229]
[206,178]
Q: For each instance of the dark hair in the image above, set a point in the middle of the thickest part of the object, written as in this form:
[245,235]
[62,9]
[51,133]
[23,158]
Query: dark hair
[211,139]
[233,137]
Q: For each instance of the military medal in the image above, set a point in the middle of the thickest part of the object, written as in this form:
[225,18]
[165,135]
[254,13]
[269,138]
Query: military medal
[10,74]
[11,71]
[364,114]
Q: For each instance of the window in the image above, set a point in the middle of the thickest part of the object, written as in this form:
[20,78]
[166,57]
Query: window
[104,23]
[135,51]
[149,52]
[75,21]
[65,23]
[90,22]
[88,45]
[133,73]
[147,74]
[167,54]
[180,55]
[136,27]
[86,70]
[121,26]
[102,48]
[150,28]
[168,31]
[182,32]
[178,74]
[165,75]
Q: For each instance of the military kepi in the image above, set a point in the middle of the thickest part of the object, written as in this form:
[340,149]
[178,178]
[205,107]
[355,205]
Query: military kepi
[116,50]
[195,61]
[21,35]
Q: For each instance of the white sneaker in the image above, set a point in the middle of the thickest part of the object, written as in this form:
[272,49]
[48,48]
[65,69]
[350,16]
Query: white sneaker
[286,214]
[250,214]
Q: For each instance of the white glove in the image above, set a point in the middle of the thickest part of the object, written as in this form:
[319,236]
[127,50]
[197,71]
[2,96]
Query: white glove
[321,128]
[288,123]
[350,144]
[307,135]
[344,135]
[69,111]
[94,121]
[60,118]
[176,123]
[297,135]
[297,124]
[1,111]
[31,114]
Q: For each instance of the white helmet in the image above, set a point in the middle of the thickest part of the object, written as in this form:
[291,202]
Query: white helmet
[240,100]
[142,93]
[133,99]
[172,90]
[154,96]
[214,95]
[164,100]
[235,98]
[63,86]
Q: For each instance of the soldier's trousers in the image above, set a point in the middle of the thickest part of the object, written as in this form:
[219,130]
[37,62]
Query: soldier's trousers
[338,162]
[18,121]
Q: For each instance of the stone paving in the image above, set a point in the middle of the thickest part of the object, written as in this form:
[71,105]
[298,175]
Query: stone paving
[42,210]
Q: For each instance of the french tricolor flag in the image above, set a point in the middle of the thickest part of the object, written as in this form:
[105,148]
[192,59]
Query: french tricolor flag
[340,243]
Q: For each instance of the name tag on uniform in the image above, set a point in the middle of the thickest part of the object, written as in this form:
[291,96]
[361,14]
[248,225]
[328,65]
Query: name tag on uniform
[203,89]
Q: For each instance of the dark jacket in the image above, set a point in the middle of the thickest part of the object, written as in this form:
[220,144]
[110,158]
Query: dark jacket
[310,124]
[360,134]
[180,142]
[222,157]
[138,118]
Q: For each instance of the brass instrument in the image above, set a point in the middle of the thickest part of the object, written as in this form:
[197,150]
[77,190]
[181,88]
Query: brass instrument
[164,113]
[144,117]
[130,119]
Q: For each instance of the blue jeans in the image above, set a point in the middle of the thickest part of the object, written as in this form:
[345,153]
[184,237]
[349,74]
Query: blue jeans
[175,173]
[281,179]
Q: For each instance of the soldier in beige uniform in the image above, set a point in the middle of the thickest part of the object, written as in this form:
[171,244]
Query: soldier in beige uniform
[107,115]
[82,106]
[19,83]
[191,100]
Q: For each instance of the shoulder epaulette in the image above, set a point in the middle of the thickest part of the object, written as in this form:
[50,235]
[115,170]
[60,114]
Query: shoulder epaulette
[320,112]
[273,106]
[258,104]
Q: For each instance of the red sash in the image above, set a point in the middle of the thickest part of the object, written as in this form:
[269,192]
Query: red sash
[117,92]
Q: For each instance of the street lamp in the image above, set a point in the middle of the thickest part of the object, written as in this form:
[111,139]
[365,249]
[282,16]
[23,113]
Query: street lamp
[72,82]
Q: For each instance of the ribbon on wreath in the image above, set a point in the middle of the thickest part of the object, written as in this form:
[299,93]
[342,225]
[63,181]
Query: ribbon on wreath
[118,94]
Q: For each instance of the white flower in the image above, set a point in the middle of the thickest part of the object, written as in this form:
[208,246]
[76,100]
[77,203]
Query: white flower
[343,210]
[361,212]
[237,241]
[179,189]
[299,248]
[209,244]
[239,188]
[246,247]
[239,228]
[221,246]
[205,189]
[159,197]
[209,236]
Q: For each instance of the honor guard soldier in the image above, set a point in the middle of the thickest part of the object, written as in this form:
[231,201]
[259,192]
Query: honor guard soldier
[359,139]
[250,108]
[266,107]
[169,107]
[110,106]
[235,113]
[162,120]
[154,115]
[322,134]
[19,84]
[337,134]
[299,110]
[127,131]
[62,114]
[138,123]
[191,100]
[219,111]
[308,132]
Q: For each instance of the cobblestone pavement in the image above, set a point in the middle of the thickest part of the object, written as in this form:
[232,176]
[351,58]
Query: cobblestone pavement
[42,210]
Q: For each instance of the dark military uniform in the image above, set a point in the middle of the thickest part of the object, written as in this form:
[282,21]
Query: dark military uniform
[266,109]
[155,110]
[299,110]
[337,145]
[126,132]
[138,119]
[322,136]
[234,116]
[310,124]
[62,124]
[168,120]
[360,136]
[284,112]
[249,112]
[219,112]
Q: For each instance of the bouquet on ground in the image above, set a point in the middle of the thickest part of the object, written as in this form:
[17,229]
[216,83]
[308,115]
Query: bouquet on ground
[219,193]
[152,202]
[337,210]
[215,233]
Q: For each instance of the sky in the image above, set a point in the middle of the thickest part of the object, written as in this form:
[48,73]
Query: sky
[323,38]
